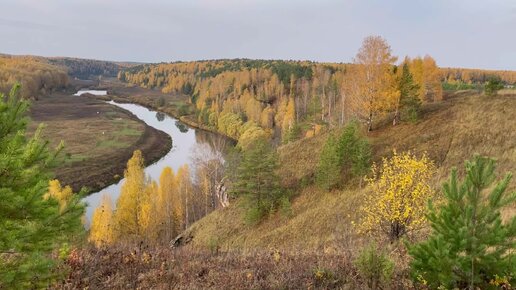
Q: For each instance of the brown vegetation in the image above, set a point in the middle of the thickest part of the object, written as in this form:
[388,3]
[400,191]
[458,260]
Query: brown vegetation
[99,138]
[163,268]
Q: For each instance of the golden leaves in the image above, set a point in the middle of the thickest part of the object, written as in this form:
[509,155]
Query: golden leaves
[400,189]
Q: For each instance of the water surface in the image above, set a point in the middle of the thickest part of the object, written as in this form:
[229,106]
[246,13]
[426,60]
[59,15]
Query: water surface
[93,92]
[185,141]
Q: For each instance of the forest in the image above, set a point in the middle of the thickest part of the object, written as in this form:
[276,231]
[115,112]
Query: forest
[86,68]
[382,173]
[35,74]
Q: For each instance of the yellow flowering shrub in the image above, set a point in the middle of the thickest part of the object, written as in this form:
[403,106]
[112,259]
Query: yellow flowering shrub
[400,189]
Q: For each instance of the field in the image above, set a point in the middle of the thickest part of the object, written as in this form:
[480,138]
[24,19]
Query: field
[99,138]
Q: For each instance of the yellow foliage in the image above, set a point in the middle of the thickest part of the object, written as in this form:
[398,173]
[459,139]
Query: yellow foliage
[62,195]
[134,202]
[101,231]
[146,211]
[400,189]
[373,87]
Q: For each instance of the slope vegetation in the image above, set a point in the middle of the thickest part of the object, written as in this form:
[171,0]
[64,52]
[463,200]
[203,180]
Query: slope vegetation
[450,132]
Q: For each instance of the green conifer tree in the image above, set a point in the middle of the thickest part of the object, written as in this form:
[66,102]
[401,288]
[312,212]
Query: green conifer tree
[354,150]
[329,167]
[31,225]
[409,96]
[493,85]
[469,247]
[256,180]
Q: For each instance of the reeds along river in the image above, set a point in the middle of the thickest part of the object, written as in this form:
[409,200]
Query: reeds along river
[186,141]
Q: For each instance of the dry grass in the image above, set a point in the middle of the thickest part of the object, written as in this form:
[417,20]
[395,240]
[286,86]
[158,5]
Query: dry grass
[319,221]
[450,132]
[163,268]
[316,245]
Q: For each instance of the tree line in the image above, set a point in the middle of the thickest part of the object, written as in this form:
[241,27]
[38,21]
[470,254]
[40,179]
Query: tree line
[36,75]
[283,99]
[86,68]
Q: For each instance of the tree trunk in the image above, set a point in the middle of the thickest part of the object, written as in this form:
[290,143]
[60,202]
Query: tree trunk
[395,121]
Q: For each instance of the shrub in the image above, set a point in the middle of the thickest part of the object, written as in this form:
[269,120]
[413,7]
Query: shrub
[374,266]
[160,102]
[493,85]
[400,191]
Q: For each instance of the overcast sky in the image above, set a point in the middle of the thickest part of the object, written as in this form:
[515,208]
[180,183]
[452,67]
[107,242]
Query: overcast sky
[457,33]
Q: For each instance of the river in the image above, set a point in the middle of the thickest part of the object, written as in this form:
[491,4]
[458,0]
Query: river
[185,140]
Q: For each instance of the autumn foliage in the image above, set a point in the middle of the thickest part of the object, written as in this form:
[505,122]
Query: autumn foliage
[147,211]
[400,189]
[36,75]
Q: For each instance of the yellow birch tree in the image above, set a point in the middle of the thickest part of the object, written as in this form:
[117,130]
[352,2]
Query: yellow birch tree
[130,222]
[101,231]
[374,90]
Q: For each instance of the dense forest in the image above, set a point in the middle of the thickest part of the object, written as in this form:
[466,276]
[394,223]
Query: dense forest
[476,76]
[35,74]
[284,100]
[87,68]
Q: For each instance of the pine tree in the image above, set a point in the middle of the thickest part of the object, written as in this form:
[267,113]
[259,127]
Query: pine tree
[347,153]
[31,226]
[409,102]
[329,167]
[257,181]
[354,150]
[469,247]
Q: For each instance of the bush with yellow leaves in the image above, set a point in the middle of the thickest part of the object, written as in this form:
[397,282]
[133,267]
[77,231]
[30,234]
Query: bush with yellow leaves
[400,189]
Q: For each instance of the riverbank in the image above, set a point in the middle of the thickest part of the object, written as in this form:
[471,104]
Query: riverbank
[99,139]
[171,104]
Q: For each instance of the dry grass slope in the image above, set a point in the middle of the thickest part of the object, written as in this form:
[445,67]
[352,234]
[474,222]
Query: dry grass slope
[450,132]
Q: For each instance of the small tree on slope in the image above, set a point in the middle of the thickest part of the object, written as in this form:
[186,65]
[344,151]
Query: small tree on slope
[32,221]
[469,246]
[257,181]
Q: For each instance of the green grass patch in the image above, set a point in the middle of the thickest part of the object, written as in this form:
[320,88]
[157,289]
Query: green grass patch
[127,131]
[112,144]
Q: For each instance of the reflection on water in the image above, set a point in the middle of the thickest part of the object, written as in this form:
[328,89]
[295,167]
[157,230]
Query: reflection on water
[184,141]
[181,126]
[160,116]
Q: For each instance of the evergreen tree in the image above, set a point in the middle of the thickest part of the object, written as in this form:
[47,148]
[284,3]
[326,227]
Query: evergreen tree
[354,150]
[346,153]
[32,223]
[470,246]
[329,167]
[409,102]
[257,181]
[493,85]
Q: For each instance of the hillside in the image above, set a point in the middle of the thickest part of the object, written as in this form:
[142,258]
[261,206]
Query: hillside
[450,131]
